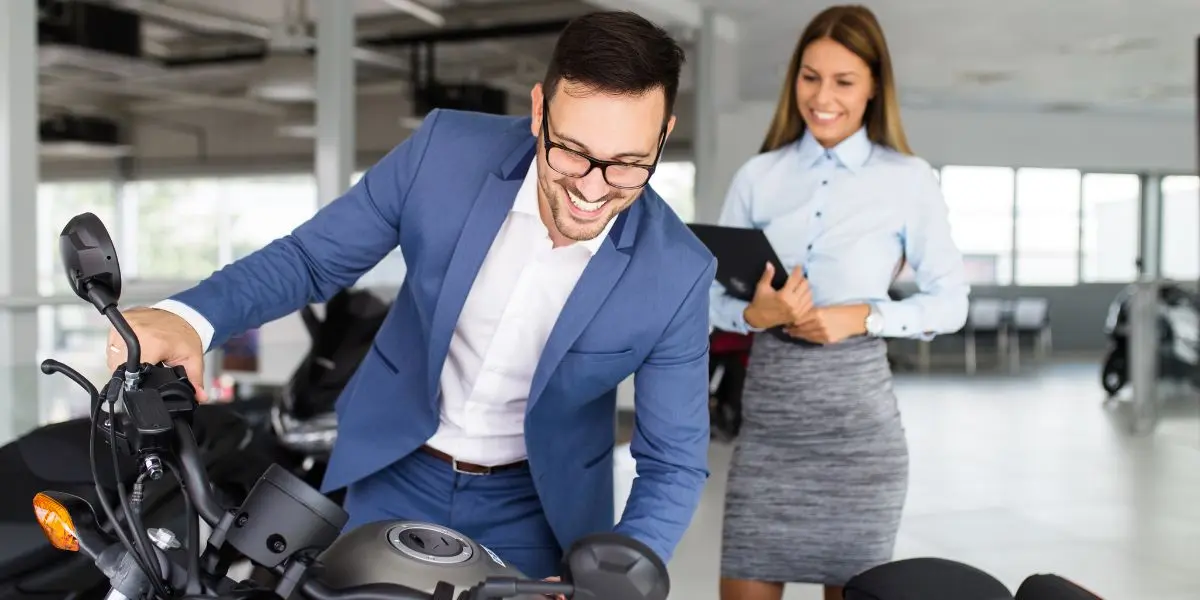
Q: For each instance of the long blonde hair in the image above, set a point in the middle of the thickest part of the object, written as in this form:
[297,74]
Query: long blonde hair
[856,28]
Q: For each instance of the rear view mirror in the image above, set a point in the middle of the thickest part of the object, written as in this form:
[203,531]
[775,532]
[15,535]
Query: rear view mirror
[90,261]
[608,566]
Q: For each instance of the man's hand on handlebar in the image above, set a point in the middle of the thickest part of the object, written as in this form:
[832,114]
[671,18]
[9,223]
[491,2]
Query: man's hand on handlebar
[555,579]
[165,337]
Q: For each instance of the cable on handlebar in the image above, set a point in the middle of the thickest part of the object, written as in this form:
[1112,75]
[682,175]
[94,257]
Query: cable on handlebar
[193,534]
[141,550]
[121,534]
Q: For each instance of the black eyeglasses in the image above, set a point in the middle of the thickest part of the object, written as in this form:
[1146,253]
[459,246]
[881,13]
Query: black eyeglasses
[573,163]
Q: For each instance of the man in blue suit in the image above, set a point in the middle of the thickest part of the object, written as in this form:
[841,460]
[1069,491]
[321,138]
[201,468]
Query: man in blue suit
[542,271]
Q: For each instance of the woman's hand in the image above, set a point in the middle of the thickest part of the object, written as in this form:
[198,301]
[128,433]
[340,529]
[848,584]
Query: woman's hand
[831,324]
[787,305]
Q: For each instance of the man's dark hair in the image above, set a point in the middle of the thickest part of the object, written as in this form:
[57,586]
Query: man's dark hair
[616,52]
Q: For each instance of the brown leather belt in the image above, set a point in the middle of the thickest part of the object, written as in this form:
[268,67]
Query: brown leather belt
[467,468]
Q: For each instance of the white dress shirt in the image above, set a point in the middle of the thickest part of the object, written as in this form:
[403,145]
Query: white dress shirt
[512,307]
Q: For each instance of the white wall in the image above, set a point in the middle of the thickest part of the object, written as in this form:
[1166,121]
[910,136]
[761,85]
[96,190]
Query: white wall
[1111,143]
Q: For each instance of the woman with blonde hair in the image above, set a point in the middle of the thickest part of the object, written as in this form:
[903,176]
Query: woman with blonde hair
[820,468]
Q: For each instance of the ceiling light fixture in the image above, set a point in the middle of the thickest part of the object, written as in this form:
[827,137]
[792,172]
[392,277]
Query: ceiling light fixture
[419,11]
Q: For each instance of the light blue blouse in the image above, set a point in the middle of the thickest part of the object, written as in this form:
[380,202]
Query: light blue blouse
[848,215]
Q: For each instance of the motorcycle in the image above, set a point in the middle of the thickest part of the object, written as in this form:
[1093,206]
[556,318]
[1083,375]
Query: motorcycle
[1178,325]
[295,427]
[302,421]
[145,418]
[53,456]
[728,356]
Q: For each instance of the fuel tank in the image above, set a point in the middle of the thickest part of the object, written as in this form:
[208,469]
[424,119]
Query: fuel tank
[413,554]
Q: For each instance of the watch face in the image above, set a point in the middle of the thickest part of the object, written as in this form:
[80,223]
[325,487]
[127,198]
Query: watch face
[874,323]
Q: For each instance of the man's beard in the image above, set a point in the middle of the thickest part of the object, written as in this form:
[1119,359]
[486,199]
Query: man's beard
[565,223]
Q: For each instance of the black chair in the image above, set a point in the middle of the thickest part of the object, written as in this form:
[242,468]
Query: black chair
[1030,316]
[987,318]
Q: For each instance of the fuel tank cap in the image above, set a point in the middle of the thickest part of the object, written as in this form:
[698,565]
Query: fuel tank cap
[430,543]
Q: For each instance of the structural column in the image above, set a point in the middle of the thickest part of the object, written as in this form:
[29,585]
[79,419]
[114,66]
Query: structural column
[1150,229]
[1143,307]
[18,216]
[716,92]
[335,144]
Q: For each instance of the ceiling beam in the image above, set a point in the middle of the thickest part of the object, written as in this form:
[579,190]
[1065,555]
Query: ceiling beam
[469,15]
[470,34]
[672,12]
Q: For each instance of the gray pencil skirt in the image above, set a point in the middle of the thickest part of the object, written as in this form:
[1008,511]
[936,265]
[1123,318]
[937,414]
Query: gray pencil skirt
[820,466]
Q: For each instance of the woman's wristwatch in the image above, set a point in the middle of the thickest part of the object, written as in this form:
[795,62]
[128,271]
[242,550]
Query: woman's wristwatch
[874,323]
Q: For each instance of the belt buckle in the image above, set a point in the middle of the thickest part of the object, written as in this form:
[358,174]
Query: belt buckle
[457,469]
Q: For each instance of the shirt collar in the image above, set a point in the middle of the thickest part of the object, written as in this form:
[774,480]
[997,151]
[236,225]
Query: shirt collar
[527,203]
[851,153]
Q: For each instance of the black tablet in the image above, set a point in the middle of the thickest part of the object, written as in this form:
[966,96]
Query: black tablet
[742,254]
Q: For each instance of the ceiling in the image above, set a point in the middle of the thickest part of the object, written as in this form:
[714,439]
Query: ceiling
[228,55]
[1059,55]
[206,57]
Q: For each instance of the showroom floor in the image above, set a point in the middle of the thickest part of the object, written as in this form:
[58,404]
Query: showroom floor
[1018,475]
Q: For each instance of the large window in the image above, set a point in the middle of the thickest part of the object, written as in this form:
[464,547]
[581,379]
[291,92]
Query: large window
[175,224]
[1047,230]
[260,210]
[57,203]
[187,228]
[980,200]
[676,183]
[1181,227]
[1109,246]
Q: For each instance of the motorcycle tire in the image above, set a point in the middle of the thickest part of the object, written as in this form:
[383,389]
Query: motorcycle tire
[1115,373]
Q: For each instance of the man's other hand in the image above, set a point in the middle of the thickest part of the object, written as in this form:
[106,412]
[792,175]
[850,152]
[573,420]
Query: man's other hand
[164,337]
[559,596]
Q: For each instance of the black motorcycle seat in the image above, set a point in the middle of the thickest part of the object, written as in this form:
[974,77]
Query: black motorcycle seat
[55,454]
[24,547]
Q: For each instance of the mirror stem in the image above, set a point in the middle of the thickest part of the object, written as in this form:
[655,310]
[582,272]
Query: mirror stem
[103,299]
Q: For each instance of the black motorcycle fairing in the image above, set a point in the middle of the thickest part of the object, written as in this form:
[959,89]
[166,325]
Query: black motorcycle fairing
[925,579]
[340,341]
[1045,586]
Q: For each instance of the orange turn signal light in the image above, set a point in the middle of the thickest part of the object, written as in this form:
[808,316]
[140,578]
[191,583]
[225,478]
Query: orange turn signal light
[56,522]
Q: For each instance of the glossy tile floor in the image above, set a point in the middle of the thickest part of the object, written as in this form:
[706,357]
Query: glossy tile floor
[1018,475]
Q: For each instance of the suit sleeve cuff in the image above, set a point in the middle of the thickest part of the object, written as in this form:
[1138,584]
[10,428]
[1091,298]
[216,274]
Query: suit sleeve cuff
[202,325]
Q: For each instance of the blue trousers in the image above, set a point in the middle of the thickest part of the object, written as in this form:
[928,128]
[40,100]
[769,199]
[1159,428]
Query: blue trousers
[501,511]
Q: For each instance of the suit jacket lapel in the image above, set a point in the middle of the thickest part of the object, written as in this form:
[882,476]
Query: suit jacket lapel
[491,207]
[593,288]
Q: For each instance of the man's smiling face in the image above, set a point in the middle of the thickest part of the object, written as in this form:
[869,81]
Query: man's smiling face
[624,132]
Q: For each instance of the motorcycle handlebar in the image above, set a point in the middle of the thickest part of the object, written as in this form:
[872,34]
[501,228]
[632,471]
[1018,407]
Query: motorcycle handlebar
[195,478]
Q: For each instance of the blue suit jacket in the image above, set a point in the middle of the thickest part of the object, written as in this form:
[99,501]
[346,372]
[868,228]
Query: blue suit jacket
[640,307]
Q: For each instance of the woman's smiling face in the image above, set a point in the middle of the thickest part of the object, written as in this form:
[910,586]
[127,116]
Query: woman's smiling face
[832,91]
